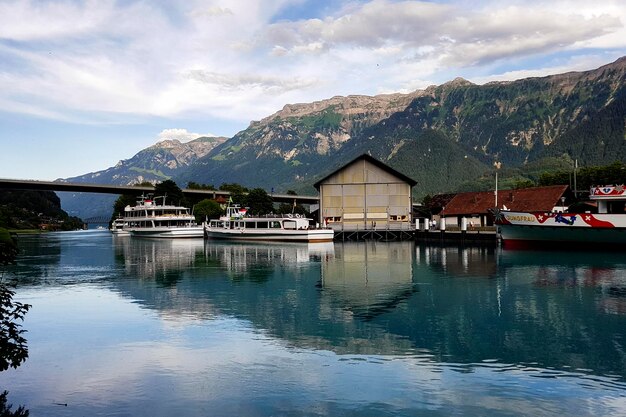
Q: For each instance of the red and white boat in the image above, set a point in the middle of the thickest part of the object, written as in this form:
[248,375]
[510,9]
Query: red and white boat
[607,227]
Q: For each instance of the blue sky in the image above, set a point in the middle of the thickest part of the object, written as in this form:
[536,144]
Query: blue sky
[84,84]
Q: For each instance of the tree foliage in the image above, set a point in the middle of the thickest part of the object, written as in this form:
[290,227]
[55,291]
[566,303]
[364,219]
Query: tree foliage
[13,348]
[237,192]
[5,408]
[195,186]
[292,208]
[174,194]
[586,177]
[207,209]
[259,202]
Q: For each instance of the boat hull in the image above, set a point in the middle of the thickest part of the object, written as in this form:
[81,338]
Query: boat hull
[528,230]
[168,233]
[311,236]
[120,232]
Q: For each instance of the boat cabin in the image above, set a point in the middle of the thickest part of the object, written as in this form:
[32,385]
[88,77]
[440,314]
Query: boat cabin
[610,199]
[290,222]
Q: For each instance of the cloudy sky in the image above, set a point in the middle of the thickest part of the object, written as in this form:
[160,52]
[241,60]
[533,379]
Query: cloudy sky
[84,84]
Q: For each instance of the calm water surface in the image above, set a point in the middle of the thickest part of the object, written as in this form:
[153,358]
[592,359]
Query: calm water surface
[128,327]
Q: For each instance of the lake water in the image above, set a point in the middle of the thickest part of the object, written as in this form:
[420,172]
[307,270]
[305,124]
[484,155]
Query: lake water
[130,327]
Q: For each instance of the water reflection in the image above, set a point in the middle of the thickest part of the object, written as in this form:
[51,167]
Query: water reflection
[370,328]
[459,260]
[368,279]
[257,261]
[163,260]
[64,258]
[458,305]
[598,276]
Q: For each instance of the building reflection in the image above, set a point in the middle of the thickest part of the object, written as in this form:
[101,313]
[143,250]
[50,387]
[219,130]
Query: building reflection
[368,278]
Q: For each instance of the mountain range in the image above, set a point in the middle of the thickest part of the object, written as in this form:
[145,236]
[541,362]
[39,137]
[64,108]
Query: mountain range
[154,164]
[447,137]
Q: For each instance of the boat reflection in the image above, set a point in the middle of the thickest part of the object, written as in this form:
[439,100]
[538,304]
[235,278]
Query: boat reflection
[592,271]
[242,260]
[163,260]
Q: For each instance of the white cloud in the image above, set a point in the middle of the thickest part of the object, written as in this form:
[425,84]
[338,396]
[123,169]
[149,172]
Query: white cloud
[105,61]
[28,20]
[181,135]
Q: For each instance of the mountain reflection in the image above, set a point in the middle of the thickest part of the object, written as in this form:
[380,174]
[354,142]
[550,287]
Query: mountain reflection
[459,305]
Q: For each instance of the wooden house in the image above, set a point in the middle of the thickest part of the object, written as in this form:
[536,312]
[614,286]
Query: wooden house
[474,206]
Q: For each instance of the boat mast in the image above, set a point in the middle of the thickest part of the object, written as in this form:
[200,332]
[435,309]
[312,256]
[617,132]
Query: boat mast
[575,188]
[496,192]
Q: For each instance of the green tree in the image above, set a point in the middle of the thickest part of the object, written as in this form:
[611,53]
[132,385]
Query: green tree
[13,348]
[207,209]
[169,189]
[5,408]
[195,186]
[12,342]
[233,188]
[237,192]
[292,208]
[259,202]
[121,202]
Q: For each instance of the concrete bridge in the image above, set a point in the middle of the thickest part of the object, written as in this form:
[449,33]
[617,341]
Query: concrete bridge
[128,189]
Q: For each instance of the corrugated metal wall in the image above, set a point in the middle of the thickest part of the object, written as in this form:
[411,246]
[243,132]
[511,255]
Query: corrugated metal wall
[363,194]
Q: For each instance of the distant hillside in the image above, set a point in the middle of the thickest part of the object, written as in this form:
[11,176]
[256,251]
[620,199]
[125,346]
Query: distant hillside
[516,123]
[154,164]
[28,209]
[447,137]
[281,149]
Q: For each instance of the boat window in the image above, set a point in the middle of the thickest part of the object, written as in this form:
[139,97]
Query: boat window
[262,225]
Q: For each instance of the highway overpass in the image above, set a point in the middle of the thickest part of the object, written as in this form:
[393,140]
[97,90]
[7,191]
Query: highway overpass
[13,184]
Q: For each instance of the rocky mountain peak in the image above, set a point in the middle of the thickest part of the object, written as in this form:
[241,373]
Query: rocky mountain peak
[167,144]
[345,106]
[458,82]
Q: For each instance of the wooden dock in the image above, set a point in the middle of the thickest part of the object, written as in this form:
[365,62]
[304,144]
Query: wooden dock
[471,237]
[458,237]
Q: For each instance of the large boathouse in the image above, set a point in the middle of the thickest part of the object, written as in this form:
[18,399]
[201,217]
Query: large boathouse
[365,194]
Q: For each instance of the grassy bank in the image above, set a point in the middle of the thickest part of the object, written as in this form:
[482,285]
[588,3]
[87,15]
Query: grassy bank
[26,231]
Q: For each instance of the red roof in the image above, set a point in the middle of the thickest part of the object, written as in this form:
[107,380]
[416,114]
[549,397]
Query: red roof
[523,199]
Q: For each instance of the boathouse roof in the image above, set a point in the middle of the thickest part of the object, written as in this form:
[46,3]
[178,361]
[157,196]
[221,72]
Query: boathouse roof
[523,199]
[375,162]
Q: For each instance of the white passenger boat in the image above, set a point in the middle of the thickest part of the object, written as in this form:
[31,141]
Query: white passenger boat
[149,219]
[237,225]
[119,227]
[606,228]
